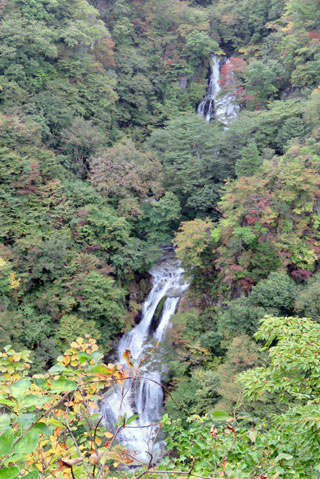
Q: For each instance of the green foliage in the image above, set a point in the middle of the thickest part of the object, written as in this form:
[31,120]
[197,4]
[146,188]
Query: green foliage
[35,56]
[160,219]
[265,260]
[265,218]
[125,172]
[292,128]
[242,354]
[241,316]
[195,340]
[71,327]
[307,299]
[264,79]
[249,161]
[262,127]
[243,24]
[64,243]
[293,373]
[275,294]
[81,140]
[185,395]
[199,45]
[245,234]
[284,445]
[188,150]
[102,302]
[102,155]
[194,245]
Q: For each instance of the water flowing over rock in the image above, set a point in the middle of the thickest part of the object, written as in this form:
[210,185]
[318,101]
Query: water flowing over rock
[214,106]
[145,397]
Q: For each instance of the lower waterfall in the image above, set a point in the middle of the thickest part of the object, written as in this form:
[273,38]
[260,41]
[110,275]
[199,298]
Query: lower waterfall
[145,397]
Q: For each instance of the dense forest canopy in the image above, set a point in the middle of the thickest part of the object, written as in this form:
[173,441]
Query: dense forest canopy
[103,159]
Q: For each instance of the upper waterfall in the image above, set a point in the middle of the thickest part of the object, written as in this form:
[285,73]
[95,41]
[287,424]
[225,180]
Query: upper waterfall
[144,396]
[214,105]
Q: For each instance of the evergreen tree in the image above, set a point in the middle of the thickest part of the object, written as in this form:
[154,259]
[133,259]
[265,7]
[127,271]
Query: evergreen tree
[249,161]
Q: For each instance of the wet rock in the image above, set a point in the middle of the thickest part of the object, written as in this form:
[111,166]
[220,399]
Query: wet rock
[157,315]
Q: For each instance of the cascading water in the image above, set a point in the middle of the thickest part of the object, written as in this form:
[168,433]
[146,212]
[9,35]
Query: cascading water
[207,105]
[145,397]
[215,106]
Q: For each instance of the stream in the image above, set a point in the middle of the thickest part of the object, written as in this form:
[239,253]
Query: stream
[145,397]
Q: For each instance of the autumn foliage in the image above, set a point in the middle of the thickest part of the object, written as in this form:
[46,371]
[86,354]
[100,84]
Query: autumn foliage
[50,423]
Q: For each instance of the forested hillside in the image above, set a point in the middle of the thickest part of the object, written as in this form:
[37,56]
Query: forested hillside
[104,159]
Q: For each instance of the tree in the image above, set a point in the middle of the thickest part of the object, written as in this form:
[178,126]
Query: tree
[101,301]
[264,222]
[160,219]
[71,327]
[193,241]
[49,423]
[194,165]
[292,128]
[81,140]
[249,161]
[263,80]
[8,279]
[293,370]
[311,111]
[241,316]
[307,299]
[199,45]
[62,243]
[284,445]
[242,354]
[124,171]
[276,294]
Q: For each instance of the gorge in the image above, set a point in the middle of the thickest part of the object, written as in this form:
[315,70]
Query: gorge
[144,397]
[126,125]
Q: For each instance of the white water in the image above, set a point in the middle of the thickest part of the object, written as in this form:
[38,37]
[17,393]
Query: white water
[215,105]
[145,397]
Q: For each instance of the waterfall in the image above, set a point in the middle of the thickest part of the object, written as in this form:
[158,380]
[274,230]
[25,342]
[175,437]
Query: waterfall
[215,106]
[145,397]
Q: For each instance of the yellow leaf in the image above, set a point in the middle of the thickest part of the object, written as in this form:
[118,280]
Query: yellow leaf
[66,360]
[126,356]
[14,281]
